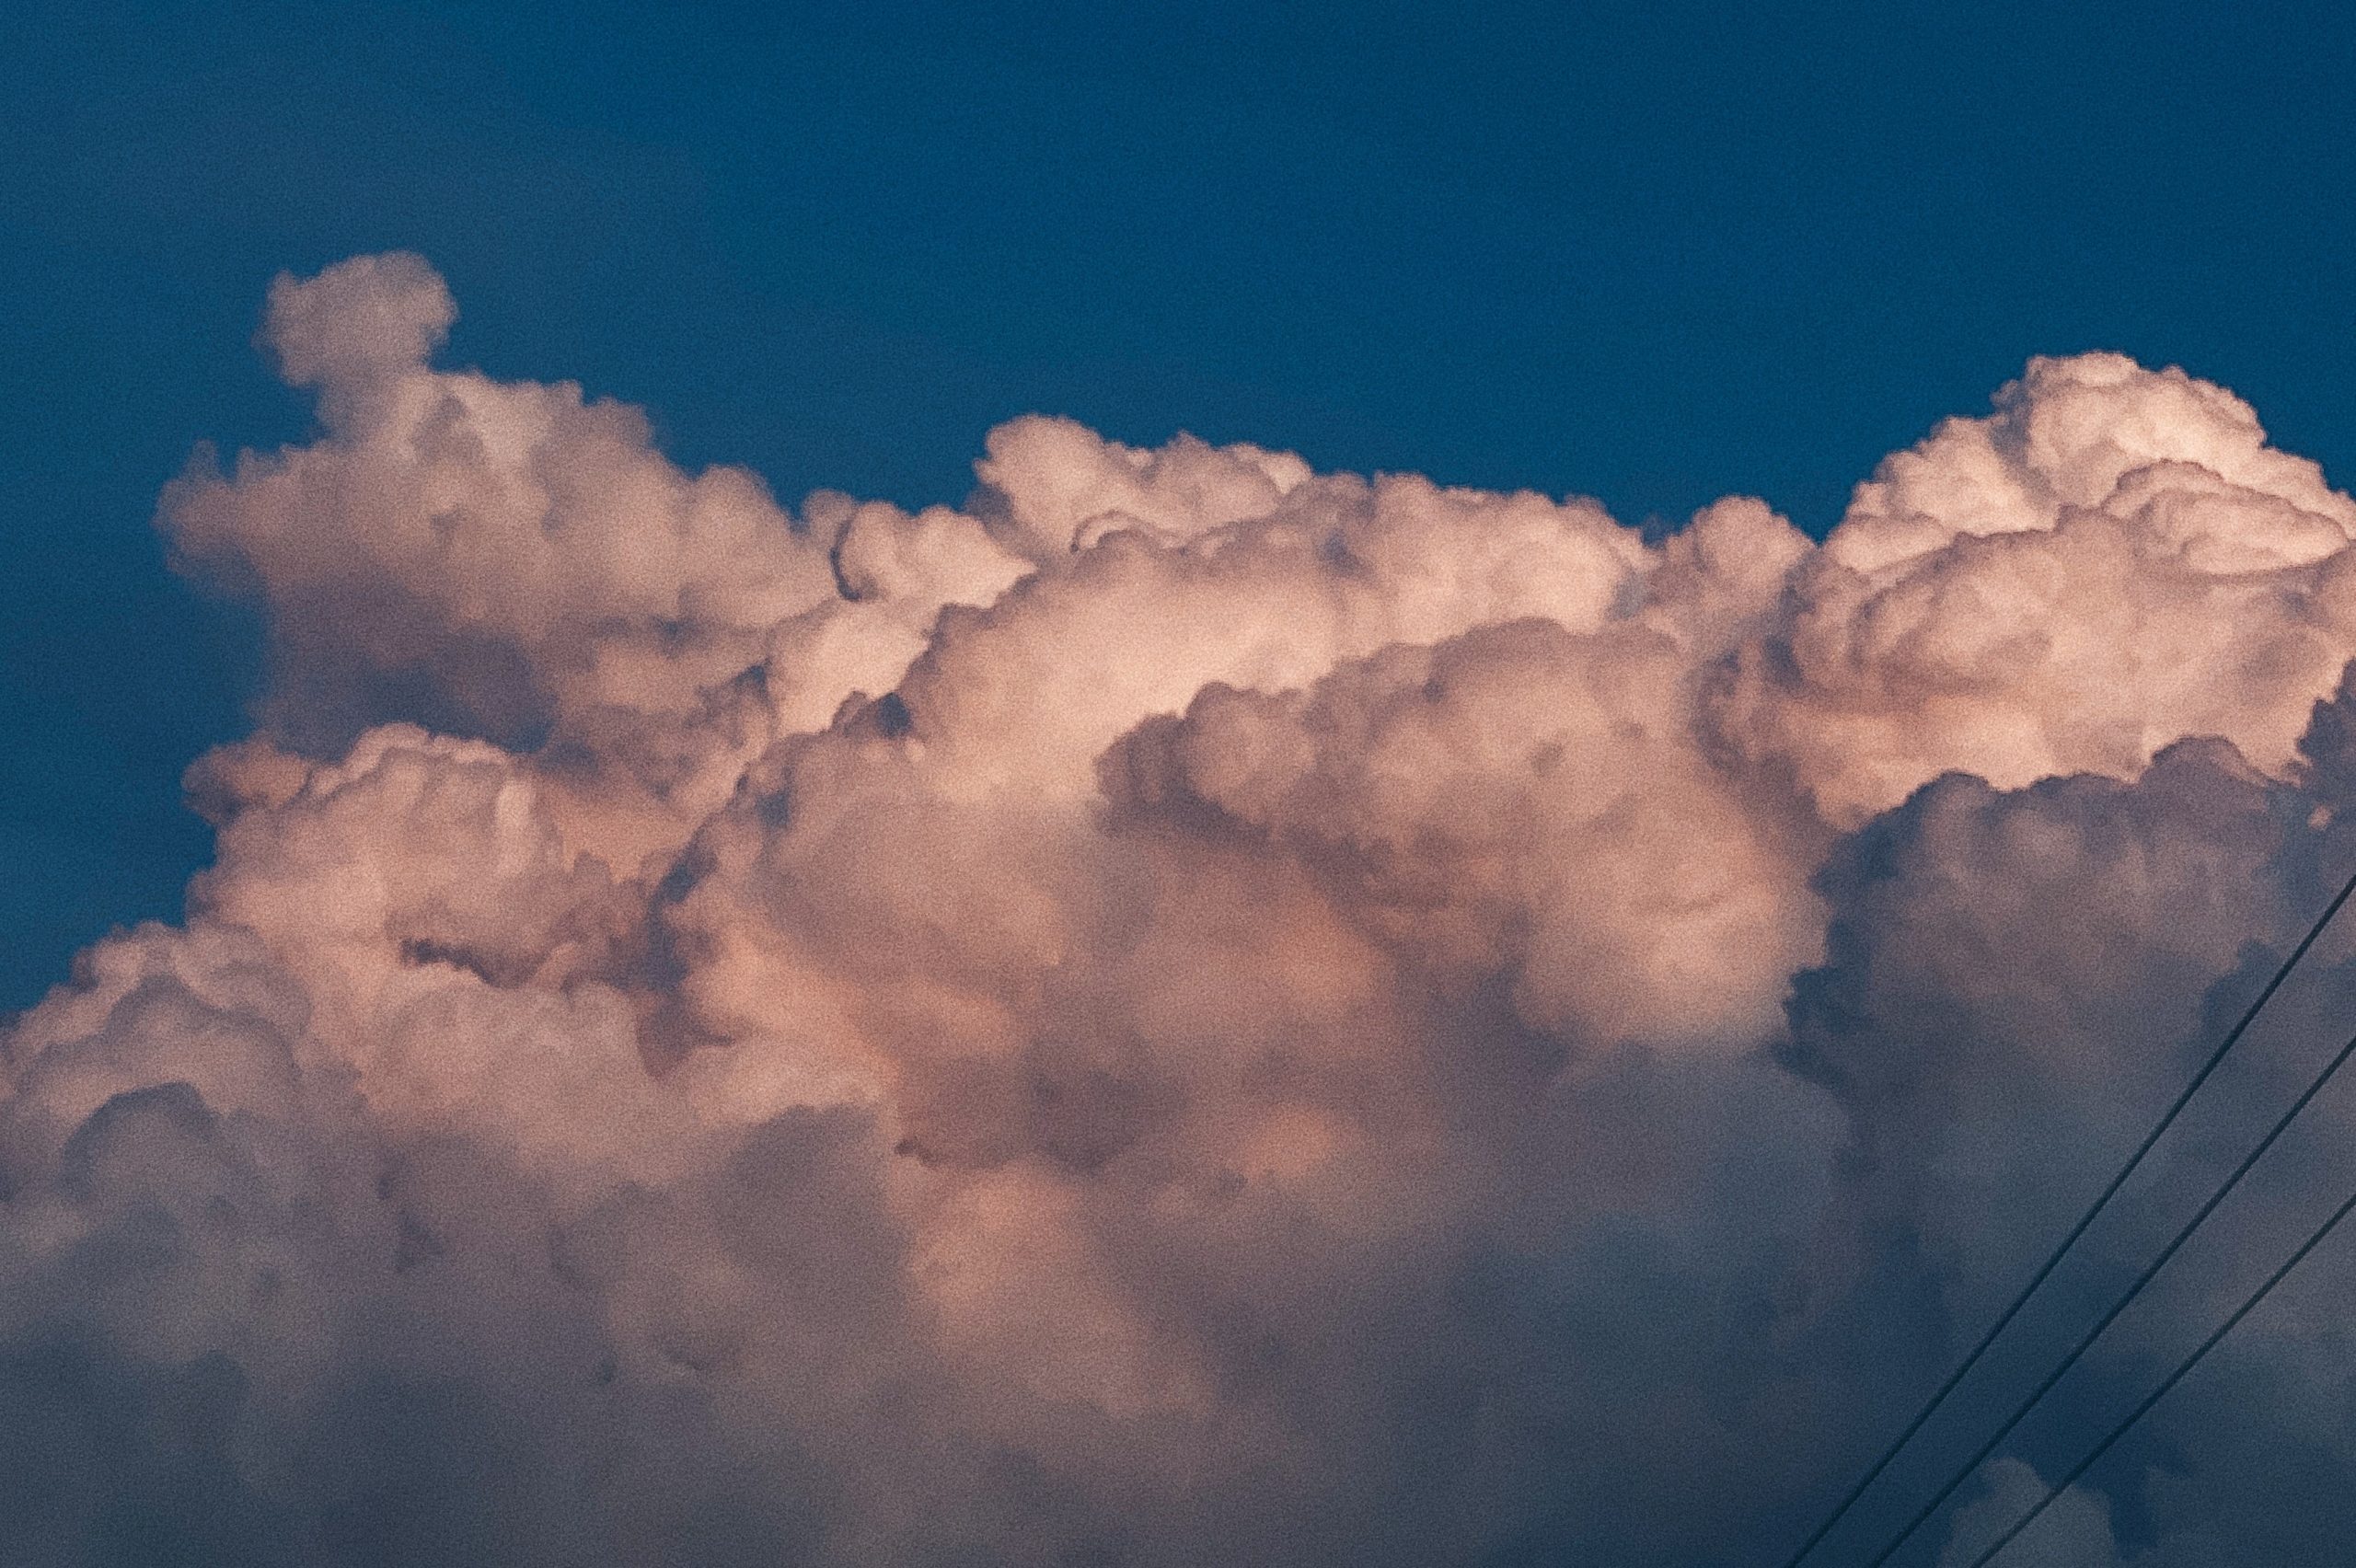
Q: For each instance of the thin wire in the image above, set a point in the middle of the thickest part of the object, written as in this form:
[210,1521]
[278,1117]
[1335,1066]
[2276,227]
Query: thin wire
[2053,1261]
[1965,1472]
[2187,1365]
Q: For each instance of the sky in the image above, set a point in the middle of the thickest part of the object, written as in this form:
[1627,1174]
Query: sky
[1655,254]
[1302,786]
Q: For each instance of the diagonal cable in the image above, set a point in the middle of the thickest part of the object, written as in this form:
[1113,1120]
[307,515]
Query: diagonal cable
[2173,1378]
[2054,1259]
[1964,1471]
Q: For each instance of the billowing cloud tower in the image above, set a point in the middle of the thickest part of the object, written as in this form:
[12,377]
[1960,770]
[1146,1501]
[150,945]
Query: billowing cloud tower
[1186,1011]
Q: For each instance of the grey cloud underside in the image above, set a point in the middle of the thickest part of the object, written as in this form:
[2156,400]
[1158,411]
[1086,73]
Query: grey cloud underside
[1187,1010]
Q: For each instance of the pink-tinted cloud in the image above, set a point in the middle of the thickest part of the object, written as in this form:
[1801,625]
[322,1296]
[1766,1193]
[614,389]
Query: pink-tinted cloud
[1185,1011]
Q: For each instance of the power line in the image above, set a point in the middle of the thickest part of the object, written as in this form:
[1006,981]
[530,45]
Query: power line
[2053,1261]
[2173,1378]
[1964,1473]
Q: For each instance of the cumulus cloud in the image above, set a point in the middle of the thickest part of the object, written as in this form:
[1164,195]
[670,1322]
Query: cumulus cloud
[1183,1010]
[2113,561]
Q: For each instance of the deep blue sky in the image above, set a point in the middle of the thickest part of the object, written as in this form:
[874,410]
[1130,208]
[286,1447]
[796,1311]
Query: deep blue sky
[1653,253]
